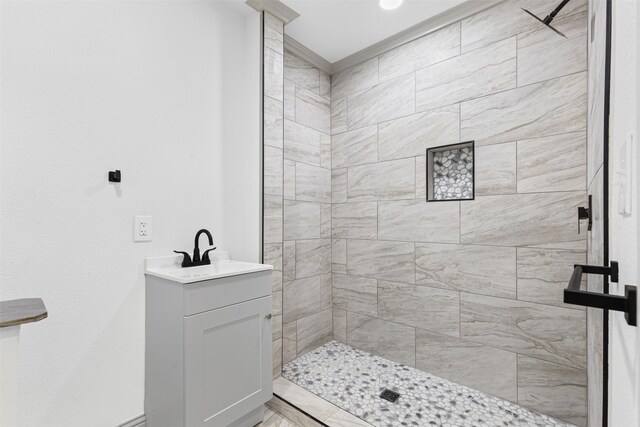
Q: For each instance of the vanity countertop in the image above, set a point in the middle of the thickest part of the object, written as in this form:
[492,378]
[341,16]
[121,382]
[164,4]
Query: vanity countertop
[221,266]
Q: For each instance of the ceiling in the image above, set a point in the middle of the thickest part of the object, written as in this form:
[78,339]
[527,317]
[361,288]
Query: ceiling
[335,29]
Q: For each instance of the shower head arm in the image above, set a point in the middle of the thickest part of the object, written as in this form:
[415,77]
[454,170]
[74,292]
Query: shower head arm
[555,11]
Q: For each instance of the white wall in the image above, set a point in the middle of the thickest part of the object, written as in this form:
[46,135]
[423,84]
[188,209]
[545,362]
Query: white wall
[624,359]
[154,89]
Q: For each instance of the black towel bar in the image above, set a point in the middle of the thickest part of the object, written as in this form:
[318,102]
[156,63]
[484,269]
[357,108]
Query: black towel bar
[626,303]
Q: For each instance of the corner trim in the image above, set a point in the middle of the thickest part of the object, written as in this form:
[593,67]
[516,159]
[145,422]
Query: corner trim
[274,7]
[304,52]
[139,421]
[457,13]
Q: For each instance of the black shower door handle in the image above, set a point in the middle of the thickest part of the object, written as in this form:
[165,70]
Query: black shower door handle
[627,303]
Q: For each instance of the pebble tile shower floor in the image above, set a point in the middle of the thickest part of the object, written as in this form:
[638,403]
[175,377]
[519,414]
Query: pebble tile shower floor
[353,380]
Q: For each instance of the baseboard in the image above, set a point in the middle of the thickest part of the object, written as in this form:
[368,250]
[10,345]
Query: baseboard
[138,421]
[294,413]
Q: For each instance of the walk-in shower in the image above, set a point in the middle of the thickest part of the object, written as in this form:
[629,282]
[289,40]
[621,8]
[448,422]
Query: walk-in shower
[421,212]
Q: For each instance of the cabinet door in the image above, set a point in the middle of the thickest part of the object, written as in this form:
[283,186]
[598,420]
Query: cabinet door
[227,362]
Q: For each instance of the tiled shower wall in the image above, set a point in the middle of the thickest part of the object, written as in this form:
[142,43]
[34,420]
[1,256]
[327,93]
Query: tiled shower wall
[472,290]
[307,314]
[273,65]
[297,197]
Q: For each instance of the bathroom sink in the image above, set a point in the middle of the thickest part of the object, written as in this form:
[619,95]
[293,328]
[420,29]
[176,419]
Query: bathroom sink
[169,268]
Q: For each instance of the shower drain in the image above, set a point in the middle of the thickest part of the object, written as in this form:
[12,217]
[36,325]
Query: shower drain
[390,395]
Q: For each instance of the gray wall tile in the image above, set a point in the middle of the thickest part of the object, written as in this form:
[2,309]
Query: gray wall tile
[325,85]
[355,220]
[276,281]
[521,219]
[542,55]
[506,20]
[314,331]
[419,221]
[386,101]
[356,294]
[325,151]
[306,296]
[273,72]
[411,136]
[387,339]
[313,183]
[381,260]
[489,369]
[478,73]
[312,110]
[487,270]
[355,147]
[301,72]
[272,219]
[313,257]
[554,334]
[340,325]
[339,185]
[301,143]
[423,307]
[273,33]
[543,274]
[421,177]
[277,304]
[276,358]
[556,390]
[541,109]
[289,337]
[301,220]
[553,163]
[273,255]
[354,79]
[289,179]
[409,57]
[495,169]
[338,115]
[289,100]
[273,122]
[382,181]
[273,170]
[289,260]
[339,256]
[325,220]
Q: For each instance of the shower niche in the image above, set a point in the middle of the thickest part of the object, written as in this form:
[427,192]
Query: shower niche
[451,172]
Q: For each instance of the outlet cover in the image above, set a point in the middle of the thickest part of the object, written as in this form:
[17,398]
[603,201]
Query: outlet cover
[142,228]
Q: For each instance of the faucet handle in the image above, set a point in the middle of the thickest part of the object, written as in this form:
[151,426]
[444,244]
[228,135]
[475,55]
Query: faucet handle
[186,261]
[205,255]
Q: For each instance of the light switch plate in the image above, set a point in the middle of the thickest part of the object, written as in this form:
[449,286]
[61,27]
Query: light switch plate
[142,228]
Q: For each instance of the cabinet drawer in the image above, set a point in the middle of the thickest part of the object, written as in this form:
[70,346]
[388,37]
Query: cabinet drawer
[211,294]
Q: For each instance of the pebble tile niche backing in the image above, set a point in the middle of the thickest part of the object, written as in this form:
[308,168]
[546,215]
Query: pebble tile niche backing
[452,173]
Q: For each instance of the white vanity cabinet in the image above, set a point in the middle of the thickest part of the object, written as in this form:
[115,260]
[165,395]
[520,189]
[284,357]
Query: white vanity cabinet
[208,345]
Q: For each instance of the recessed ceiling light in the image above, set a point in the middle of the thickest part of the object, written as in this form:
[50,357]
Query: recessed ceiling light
[390,4]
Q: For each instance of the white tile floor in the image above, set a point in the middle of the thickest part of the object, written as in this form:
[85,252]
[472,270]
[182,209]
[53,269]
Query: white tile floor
[353,380]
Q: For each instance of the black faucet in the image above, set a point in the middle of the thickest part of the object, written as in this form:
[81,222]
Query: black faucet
[187,261]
